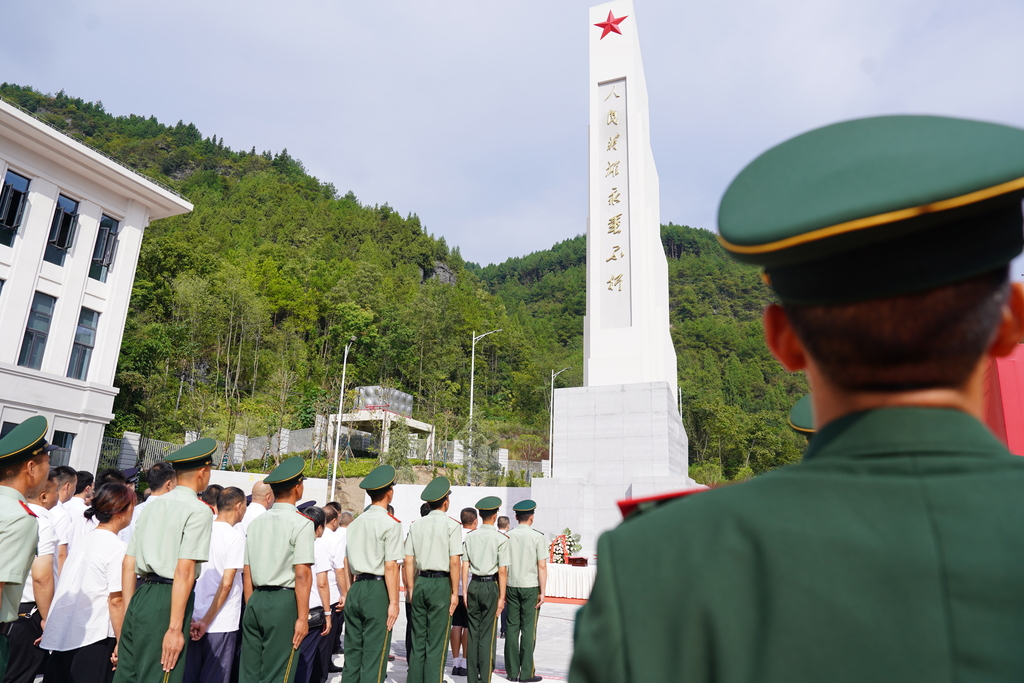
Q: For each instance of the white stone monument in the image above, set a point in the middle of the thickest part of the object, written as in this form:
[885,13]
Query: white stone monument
[620,435]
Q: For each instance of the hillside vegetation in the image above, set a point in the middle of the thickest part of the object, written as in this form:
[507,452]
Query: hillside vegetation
[241,310]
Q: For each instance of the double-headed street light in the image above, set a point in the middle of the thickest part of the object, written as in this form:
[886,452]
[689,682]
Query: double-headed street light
[341,406]
[551,423]
[472,378]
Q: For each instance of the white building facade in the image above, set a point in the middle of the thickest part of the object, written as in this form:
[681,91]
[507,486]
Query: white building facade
[71,225]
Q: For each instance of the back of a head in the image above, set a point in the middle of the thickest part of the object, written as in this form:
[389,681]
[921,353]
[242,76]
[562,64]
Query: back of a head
[66,475]
[159,474]
[503,522]
[110,475]
[85,480]
[345,518]
[330,513]
[110,500]
[317,515]
[334,505]
[229,498]
[211,495]
[468,516]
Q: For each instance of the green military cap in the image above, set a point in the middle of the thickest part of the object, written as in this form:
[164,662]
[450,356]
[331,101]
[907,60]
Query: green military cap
[196,454]
[287,472]
[381,477]
[489,503]
[878,207]
[436,490]
[801,417]
[525,506]
[25,441]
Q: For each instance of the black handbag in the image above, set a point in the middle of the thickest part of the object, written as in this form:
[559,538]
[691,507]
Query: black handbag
[317,619]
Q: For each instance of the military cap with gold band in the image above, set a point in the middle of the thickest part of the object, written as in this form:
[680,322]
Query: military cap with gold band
[381,477]
[436,489]
[525,506]
[488,504]
[197,454]
[878,207]
[287,472]
[801,417]
[25,441]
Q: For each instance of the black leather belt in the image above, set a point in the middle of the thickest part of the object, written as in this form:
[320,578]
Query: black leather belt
[486,577]
[156,578]
[369,577]
[273,588]
[435,575]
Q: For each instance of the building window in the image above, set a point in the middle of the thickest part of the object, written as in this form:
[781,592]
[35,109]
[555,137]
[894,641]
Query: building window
[85,341]
[62,230]
[34,343]
[63,441]
[13,197]
[103,252]
[6,428]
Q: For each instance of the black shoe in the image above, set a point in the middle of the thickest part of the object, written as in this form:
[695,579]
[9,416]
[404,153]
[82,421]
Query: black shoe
[455,671]
[502,635]
[334,669]
[340,651]
[391,658]
[532,680]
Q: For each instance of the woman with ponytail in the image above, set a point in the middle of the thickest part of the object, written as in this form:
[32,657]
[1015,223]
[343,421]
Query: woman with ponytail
[87,610]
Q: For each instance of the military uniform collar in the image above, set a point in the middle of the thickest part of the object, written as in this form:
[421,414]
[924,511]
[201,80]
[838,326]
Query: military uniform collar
[438,512]
[904,431]
[283,506]
[12,493]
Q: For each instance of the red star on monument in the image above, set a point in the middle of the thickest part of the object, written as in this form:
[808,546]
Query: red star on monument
[611,24]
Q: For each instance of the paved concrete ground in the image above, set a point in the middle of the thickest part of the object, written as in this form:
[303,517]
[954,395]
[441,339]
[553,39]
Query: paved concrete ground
[553,653]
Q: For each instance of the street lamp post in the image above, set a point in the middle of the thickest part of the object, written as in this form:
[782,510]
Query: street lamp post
[472,379]
[551,423]
[341,405]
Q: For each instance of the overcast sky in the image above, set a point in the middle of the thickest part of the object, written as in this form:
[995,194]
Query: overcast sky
[473,114]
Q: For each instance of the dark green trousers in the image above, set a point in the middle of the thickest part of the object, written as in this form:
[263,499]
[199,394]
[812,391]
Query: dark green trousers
[521,632]
[142,637]
[482,606]
[431,624]
[268,627]
[5,655]
[367,638]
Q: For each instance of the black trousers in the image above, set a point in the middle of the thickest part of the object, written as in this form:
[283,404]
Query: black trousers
[26,658]
[87,664]
[326,649]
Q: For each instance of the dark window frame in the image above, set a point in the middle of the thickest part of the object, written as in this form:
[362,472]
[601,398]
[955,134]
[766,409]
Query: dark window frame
[36,338]
[12,206]
[81,353]
[62,230]
[105,250]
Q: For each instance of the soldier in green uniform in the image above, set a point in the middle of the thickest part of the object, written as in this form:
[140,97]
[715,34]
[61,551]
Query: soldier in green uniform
[893,550]
[485,555]
[277,579]
[372,551]
[527,576]
[24,468]
[433,557]
[171,540]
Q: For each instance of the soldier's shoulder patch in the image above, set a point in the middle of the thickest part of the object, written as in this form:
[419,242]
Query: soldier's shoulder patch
[394,518]
[27,509]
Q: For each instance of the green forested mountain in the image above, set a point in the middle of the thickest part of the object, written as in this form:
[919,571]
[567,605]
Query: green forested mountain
[241,310]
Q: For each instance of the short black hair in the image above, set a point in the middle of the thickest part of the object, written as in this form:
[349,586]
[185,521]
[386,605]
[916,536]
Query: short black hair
[926,340]
[330,513]
[211,495]
[159,474]
[54,474]
[334,505]
[317,515]
[85,480]
[377,495]
[285,487]
[66,474]
[436,504]
[110,475]
[486,515]
[524,516]
[503,522]
[229,498]
[468,516]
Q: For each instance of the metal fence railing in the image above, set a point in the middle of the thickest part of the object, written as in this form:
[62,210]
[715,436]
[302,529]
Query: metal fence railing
[151,451]
[110,451]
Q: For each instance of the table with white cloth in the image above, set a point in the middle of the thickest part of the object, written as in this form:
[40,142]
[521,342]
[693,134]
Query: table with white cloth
[566,581]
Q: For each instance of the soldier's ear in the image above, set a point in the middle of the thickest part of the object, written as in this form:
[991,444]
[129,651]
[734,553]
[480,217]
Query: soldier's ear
[1011,327]
[782,340]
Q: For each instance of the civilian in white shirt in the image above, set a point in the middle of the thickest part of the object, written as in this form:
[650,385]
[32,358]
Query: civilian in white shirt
[161,479]
[319,595]
[67,480]
[38,593]
[262,500]
[334,539]
[219,596]
[86,615]
[75,508]
[460,619]
[80,526]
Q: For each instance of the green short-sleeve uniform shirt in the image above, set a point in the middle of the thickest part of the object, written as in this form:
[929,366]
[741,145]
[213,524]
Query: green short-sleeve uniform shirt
[433,540]
[374,537]
[486,549]
[276,542]
[19,534]
[526,547]
[174,526]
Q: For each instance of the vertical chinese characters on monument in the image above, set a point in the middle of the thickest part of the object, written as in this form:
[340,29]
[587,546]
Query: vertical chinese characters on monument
[613,222]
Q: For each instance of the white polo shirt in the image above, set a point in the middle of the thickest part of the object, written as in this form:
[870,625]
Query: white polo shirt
[335,542]
[252,512]
[322,564]
[79,614]
[61,521]
[47,546]
[227,551]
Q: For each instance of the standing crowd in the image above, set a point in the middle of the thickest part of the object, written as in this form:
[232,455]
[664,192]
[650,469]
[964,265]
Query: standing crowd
[193,584]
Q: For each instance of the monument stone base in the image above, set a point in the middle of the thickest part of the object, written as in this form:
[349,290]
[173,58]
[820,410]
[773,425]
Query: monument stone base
[610,443]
